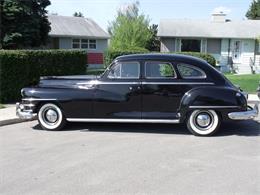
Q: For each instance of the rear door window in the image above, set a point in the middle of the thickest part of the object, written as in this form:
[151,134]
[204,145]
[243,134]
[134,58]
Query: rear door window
[159,70]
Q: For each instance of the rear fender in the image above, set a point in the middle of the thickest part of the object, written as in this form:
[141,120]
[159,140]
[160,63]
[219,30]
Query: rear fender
[217,98]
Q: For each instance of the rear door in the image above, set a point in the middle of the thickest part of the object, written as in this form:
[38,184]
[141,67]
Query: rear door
[161,92]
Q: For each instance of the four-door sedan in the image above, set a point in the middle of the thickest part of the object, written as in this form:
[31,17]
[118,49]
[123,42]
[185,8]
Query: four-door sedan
[148,88]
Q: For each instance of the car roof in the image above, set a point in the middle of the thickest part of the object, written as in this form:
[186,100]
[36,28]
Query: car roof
[159,56]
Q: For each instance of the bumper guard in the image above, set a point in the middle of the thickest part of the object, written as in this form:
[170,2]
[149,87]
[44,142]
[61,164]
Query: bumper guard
[251,113]
[24,114]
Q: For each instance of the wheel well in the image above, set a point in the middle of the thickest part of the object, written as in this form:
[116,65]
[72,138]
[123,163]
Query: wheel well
[40,104]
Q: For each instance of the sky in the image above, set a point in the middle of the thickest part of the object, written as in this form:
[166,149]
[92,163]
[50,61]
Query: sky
[103,11]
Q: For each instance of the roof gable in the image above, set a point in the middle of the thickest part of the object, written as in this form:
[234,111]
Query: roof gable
[67,26]
[204,28]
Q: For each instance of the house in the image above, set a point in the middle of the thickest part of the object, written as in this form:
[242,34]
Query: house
[78,33]
[234,44]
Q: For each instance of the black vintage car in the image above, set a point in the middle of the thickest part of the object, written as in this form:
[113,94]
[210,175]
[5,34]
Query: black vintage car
[148,88]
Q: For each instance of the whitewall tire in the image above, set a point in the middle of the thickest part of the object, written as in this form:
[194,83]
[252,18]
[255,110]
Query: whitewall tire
[203,122]
[50,117]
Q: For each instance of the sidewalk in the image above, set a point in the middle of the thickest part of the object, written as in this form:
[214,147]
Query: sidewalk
[8,114]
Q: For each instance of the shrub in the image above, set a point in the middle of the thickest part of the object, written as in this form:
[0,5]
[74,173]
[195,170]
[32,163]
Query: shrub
[205,56]
[21,68]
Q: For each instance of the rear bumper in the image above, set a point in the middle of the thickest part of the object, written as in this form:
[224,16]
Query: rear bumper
[251,113]
[24,114]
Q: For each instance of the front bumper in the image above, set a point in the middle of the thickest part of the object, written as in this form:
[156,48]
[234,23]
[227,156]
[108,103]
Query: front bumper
[251,113]
[23,113]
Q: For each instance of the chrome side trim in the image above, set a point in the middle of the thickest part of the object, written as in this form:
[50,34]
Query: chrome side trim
[213,106]
[123,120]
[245,115]
[38,99]
[177,83]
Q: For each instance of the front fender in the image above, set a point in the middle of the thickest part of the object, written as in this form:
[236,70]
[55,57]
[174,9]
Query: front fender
[217,98]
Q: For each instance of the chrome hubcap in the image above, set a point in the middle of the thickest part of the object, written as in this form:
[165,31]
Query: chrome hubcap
[51,116]
[203,120]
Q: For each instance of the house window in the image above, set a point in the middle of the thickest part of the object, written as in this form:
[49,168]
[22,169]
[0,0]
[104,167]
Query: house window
[76,43]
[92,44]
[84,44]
[191,45]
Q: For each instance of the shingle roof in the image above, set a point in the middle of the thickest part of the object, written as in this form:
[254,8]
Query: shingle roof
[68,26]
[205,28]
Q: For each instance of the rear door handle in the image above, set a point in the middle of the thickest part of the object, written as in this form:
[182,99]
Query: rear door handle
[131,88]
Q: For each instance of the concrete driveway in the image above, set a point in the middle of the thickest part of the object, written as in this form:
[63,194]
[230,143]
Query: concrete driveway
[129,159]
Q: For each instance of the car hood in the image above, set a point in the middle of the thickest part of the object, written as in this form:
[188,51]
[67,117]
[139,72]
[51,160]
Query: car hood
[65,81]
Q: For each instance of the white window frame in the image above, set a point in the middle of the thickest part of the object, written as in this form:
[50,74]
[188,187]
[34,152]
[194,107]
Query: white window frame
[80,43]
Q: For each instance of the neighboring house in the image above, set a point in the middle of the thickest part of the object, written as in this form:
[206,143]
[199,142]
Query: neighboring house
[78,33]
[233,43]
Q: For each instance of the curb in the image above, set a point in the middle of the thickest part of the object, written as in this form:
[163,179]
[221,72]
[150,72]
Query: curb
[11,121]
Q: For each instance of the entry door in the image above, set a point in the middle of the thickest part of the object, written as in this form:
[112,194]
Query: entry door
[161,92]
[118,92]
[236,55]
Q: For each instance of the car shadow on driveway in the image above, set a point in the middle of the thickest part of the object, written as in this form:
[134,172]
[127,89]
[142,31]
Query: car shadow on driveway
[240,128]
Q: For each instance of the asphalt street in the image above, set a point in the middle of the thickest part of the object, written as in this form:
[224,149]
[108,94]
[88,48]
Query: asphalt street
[129,159]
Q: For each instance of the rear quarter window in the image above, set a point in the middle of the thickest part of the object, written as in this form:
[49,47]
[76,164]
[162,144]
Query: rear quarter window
[188,71]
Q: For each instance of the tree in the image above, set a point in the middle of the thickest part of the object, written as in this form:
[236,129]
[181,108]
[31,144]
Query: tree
[24,23]
[154,43]
[254,10]
[78,14]
[130,30]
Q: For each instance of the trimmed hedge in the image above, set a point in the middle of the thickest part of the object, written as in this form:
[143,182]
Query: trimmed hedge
[21,68]
[205,56]
[110,55]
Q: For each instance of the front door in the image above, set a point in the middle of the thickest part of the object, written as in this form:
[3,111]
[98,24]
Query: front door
[236,53]
[118,92]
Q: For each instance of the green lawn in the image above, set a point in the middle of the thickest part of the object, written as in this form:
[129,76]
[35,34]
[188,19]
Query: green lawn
[248,82]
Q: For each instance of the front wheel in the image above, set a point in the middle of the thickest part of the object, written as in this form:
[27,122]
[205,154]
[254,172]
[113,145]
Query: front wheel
[50,117]
[203,122]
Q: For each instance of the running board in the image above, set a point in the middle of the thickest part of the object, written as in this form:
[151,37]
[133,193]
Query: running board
[123,120]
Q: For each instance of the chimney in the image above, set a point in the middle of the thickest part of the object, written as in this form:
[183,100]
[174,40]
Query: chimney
[218,17]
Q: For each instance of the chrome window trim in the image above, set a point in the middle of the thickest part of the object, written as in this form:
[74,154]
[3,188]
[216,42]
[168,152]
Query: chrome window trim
[146,83]
[111,83]
[123,120]
[175,74]
[213,106]
[122,78]
[194,67]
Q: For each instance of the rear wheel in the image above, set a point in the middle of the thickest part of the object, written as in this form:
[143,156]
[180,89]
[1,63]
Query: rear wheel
[50,117]
[203,122]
